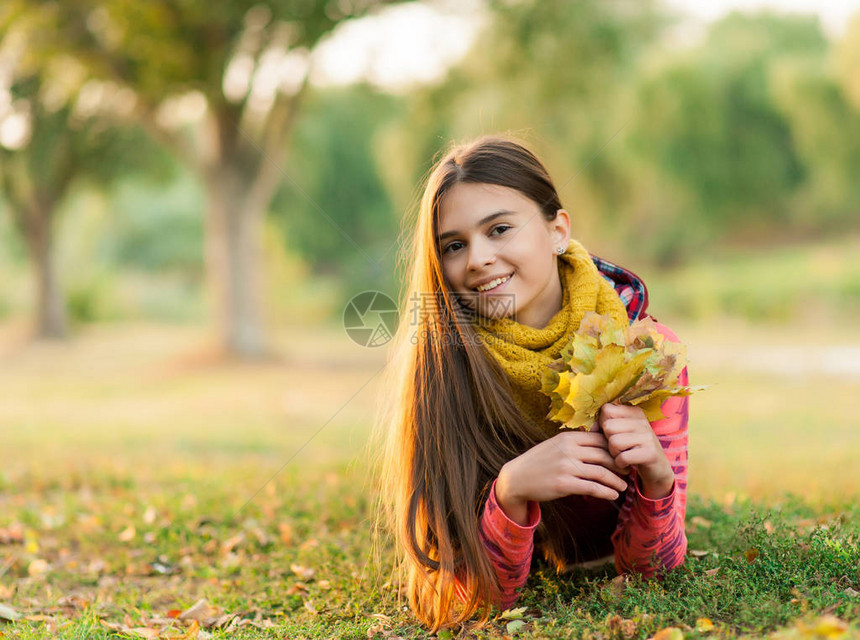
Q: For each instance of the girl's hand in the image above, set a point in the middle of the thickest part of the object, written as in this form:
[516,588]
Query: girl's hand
[633,443]
[572,462]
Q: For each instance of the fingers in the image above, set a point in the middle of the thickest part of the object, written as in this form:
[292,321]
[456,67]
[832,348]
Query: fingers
[603,457]
[601,475]
[585,438]
[623,442]
[598,489]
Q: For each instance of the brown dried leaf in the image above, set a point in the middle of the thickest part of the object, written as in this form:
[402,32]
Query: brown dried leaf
[231,543]
[201,611]
[305,573]
[37,566]
[298,587]
[286,532]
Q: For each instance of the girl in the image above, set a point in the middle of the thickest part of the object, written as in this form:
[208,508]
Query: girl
[475,476]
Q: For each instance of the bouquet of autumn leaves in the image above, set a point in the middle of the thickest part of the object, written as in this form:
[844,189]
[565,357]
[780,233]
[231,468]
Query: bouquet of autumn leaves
[603,363]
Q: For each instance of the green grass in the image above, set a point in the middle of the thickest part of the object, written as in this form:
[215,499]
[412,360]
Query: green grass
[133,482]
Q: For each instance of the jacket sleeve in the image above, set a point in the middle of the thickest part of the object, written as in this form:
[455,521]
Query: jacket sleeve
[651,529]
[509,547]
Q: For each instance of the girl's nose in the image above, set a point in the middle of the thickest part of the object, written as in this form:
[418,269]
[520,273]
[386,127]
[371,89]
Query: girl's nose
[480,255]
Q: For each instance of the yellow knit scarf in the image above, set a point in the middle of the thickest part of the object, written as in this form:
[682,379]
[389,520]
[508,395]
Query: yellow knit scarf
[524,351]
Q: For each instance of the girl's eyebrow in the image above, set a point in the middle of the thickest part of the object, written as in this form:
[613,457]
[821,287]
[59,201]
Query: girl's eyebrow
[481,223]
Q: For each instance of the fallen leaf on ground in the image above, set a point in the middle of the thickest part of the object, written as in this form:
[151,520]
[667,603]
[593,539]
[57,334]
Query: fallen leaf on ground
[669,633]
[515,626]
[13,533]
[513,614]
[202,612]
[618,624]
[704,624]
[618,584]
[305,573]
[309,544]
[298,587]
[826,626]
[127,534]
[286,532]
[37,566]
[231,543]
[8,613]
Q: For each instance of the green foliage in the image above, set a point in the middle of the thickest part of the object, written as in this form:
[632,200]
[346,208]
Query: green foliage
[708,121]
[168,47]
[825,131]
[553,72]
[158,228]
[85,301]
[335,212]
[667,151]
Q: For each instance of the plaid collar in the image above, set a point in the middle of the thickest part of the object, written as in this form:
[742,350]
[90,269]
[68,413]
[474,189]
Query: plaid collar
[630,287]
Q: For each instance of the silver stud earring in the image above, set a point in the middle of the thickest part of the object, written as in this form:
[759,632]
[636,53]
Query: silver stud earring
[559,250]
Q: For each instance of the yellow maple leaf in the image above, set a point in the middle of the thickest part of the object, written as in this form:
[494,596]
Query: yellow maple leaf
[603,363]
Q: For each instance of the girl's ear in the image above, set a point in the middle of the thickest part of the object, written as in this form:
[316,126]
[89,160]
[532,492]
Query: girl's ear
[561,224]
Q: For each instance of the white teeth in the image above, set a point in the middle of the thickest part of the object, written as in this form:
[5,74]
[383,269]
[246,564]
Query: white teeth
[493,284]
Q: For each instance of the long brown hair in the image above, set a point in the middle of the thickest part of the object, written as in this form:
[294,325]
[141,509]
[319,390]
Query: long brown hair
[447,421]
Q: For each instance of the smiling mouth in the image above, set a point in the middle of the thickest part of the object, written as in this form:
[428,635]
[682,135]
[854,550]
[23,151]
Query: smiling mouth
[495,284]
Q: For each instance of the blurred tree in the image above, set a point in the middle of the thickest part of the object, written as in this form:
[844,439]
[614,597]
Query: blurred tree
[158,227]
[847,61]
[56,129]
[825,131]
[556,74]
[220,84]
[342,193]
[707,121]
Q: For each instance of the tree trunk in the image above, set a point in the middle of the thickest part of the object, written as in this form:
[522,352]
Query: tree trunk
[234,245]
[50,307]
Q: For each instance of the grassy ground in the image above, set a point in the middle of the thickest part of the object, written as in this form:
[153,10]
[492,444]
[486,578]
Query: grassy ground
[135,482]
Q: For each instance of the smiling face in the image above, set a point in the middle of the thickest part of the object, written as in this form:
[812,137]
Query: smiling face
[488,231]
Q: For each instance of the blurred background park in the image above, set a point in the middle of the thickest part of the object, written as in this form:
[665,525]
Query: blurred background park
[190,194]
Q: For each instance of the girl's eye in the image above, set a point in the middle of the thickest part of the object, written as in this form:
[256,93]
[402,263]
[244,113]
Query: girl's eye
[504,228]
